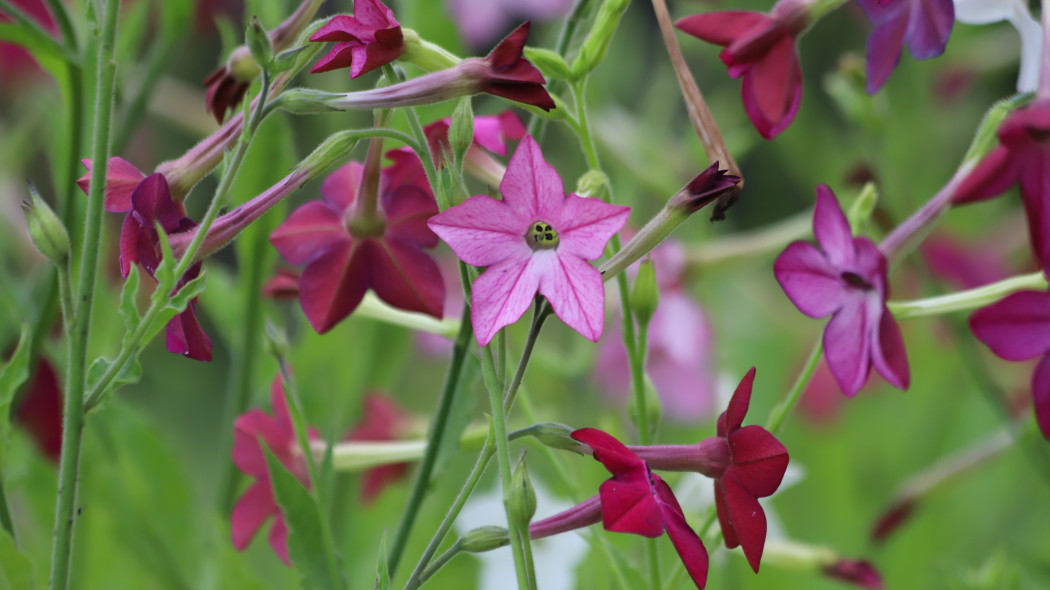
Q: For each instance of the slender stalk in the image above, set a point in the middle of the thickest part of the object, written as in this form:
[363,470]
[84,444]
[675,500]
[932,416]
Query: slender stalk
[905,236]
[5,512]
[781,412]
[536,122]
[434,438]
[440,562]
[542,310]
[966,299]
[80,324]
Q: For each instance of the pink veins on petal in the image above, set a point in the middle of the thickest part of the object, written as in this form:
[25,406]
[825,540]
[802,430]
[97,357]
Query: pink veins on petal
[537,239]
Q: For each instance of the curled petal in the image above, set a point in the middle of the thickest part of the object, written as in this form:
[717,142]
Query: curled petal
[772,89]
[993,176]
[759,460]
[185,336]
[686,542]
[611,453]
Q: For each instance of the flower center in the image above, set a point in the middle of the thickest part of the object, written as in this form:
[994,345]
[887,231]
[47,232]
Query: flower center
[854,280]
[541,236]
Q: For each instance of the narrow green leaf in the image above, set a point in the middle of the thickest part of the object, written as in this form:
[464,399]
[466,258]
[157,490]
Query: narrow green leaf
[382,569]
[188,292]
[16,571]
[128,308]
[13,376]
[307,547]
[165,273]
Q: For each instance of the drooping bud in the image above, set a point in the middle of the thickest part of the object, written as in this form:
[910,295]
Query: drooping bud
[484,538]
[45,229]
[558,436]
[596,45]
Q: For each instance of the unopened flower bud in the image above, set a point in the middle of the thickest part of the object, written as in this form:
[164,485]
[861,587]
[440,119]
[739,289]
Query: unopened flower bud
[645,295]
[484,538]
[596,45]
[306,101]
[520,498]
[46,229]
[558,436]
[593,184]
[259,43]
[461,128]
[550,63]
[861,210]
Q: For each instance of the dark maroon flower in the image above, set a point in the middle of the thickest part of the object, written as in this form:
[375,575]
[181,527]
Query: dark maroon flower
[512,76]
[122,177]
[347,253]
[226,86]
[859,573]
[924,25]
[1022,157]
[636,500]
[369,39]
[761,49]
[1017,328]
[383,420]
[139,243]
[40,410]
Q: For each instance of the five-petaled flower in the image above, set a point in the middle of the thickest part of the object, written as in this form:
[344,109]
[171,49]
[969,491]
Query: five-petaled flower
[761,49]
[537,239]
[636,500]
[369,39]
[258,504]
[845,278]
[924,25]
[1022,157]
[1017,328]
[345,258]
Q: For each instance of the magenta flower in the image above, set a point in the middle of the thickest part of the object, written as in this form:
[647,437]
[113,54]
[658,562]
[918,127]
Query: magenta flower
[845,278]
[636,500]
[1022,157]
[924,25]
[858,573]
[760,48]
[491,132]
[382,420]
[346,253]
[537,239]
[369,39]
[1017,328]
[122,178]
[139,243]
[257,504]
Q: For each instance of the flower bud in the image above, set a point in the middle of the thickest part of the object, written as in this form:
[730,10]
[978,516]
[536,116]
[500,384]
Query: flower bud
[593,184]
[520,498]
[596,45]
[550,63]
[558,436]
[306,101]
[259,43]
[860,212]
[461,128]
[645,295]
[46,229]
[484,538]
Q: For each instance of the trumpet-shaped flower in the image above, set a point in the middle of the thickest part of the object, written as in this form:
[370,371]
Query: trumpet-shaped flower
[537,239]
[636,500]
[369,39]
[845,278]
[924,25]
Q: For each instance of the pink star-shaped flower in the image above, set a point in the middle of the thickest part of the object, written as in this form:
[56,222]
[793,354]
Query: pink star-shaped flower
[537,239]
[1017,328]
[389,259]
[382,420]
[761,49]
[636,500]
[1022,157]
[258,504]
[924,25]
[846,279]
[369,39]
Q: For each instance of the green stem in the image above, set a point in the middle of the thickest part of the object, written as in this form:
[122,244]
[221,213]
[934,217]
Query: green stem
[537,122]
[781,412]
[65,25]
[421,145]
[434,438]
[439,563]
[583,127]
[80,325]
[5,512]
[968,299]
[542,310]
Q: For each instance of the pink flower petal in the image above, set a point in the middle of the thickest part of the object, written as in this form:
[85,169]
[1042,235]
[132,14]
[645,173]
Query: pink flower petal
[772,89]
[250,512]
[483,231]
[887,352]
[248,428]
[339,188]
[503,292]
[686,542]
[279,405]
[531,186]
[121,179]
[611,453]
[405,277]
[847,346]
[993,176]
[1016,328]
[721,28]
[628,505]
[831,228]
[1035,188]
[574,289]
[310,231]
[809,280]
[745,517]
[884,47]
[407,210]
[185,336]
[279,539]
[585,225]
[333,285]
[759,460]
[1041,395]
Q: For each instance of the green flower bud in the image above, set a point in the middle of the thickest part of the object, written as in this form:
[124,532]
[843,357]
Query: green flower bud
[483,539]
[520,498]
[46,229]
[425,54]
[860,212]
[332,150]
[461,129]
[550,63]
[596,45]
[558,436]
[306,101]
[259,43]
[594,183]
[645,295]
[986,136]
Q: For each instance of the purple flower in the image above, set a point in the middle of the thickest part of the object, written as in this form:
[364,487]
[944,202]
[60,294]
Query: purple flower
[845,278]
[923,24]
[369,39]
[1017,328]
[345,258]
[537,239]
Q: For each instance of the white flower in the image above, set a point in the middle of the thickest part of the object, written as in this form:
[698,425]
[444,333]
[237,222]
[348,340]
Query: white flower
[982,12]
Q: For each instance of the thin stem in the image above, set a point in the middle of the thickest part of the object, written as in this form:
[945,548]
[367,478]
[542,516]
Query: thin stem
[967,299]
[421,145]
[781,412]
[905,236]
[65,25]
[536,122]
[583,127]
[439,563]
[637,361]
[5,513]
[434,438]
[80,324]
[540,313]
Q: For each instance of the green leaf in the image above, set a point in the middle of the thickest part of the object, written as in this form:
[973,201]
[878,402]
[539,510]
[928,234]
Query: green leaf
[165,272]
[382,569]
[308,549]
[16,571]
[130,373]
[13,376]
[182,299]
[128,308]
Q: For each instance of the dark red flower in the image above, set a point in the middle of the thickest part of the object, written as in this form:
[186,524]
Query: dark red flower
[369,39]
[636,500]
[383,420]
[40,410]
[859,573]
[225,89]
[511,76]
[122,177]
[284,284]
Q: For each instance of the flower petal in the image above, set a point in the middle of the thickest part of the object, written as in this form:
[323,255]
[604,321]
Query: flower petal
[847,344]
[1035,189]
[250,512]
[929,26]
[721,28]
[628,505]
[759,460]
[279,405]
[585,225]
[531,186]
[884,47]
[733,417]
[503,292]
[247,454]
[574,289]
[1041,395]
[185,336]
[993,176]
[611,453]
[404,276]
[1016,328]
[309,232]
[887,352]
[832,229]
[772,89]
[809,280]
[279,539]
[339,188]
[483,231]
[686,542]
[333,285]
[121,180]
[745,517]
[407,209]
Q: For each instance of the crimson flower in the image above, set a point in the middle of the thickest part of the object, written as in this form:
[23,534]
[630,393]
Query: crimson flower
[511,76]
[859,573]
[227,84]
[537,239]
[369,39]
[1017,328]
[257,504]
[1022,157]
[636,500]
[122,178]
[845,278]
[924,25]
[760,48]
[345,258]
[382,420]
